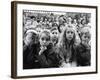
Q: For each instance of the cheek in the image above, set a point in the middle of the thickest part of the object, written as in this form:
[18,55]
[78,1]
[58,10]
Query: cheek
[40,41]
[83,38]
[28,38]
[73,35]
[67,35]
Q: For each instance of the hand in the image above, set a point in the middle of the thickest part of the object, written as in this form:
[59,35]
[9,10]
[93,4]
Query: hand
[42,50]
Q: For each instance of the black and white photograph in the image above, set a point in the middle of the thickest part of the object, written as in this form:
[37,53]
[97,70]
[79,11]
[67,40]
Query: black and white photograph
[55,39]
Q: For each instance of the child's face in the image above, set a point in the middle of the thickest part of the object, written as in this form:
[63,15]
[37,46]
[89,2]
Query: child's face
[61,19]
[55,33]
[38,30]
[69,34]
[28,22]
[69,19]
[85,38]
[29,38]
[62,28]
[44,40]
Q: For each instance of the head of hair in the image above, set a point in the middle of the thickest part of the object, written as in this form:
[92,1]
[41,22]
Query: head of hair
[46,32]
[85,30]
[60,26]
[34,36]
[63,41]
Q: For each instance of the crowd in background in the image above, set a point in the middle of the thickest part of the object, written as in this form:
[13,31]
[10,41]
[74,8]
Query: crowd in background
[63,37]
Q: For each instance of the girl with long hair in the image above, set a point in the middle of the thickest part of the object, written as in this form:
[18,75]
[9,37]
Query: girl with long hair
[66,47]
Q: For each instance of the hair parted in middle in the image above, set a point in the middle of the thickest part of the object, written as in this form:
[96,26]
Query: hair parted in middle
[63,40]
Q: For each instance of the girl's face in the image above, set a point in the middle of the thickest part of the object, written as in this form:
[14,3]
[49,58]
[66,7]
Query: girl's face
[85,38]
[69,34]
[44,40]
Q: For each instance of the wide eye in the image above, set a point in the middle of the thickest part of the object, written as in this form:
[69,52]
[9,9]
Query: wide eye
[68,32]
[71,32]
[85,36]
[42,39]
[47,39]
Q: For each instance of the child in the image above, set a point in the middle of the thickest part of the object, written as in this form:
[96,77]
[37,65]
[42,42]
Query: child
[66,47]
[83,50]
[30,38]
[43,55]
[39,28]
[61,28]
[55,35]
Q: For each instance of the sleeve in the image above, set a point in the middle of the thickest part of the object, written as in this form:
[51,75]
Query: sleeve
[50,60]
[44,62]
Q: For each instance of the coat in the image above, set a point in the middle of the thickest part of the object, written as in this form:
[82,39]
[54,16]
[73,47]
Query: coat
[83,55]
[32,59]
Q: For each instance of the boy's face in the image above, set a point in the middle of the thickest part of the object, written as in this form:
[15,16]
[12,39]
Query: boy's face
[55,33]
[44,40]
[69,34]
[85,38]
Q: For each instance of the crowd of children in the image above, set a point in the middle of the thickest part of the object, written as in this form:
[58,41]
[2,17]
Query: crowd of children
[52,40]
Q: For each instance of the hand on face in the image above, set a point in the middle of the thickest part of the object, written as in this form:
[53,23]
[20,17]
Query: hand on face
[85,40]
[42,50]
[44,40]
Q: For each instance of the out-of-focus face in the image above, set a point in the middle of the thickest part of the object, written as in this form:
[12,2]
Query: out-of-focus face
[38,30]
[44,40]
[69,34]
[28,22]
[69,20]
[61,20]
[85,38]
[42,19]
[29,38]
[62,28]
[75,21]
[83,21]
[46,20]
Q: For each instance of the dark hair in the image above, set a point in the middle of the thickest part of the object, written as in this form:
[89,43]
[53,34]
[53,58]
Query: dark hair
[54,28]
[54,24]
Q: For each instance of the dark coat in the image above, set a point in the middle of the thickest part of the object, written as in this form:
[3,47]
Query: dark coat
[83,55]
[32,59]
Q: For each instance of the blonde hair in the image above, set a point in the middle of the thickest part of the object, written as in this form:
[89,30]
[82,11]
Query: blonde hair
[62,46]
[47,32]
[62,39]
[85,30]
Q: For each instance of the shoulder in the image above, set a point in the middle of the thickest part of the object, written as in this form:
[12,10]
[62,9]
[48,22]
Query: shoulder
[78,46]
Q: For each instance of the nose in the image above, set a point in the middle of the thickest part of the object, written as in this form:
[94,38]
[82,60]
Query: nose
[70,34]
[44,41]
